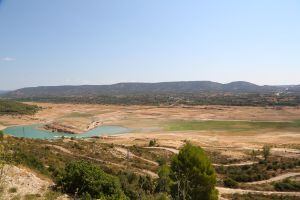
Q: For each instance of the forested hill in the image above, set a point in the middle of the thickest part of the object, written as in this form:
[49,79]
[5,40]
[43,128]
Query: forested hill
[146,88]
[168,93]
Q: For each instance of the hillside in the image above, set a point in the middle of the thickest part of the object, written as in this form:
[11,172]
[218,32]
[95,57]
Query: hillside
[189,92]
[142,88]
[12,107]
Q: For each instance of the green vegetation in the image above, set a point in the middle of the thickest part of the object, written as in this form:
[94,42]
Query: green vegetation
[12,190]
[231,125]
[17,108]
[168,98]
[188,175]
[32,196]
[260,171]
[287,185]
[164,181]
[88,180]
[30,160]
[266,151]
[229,182]
[1,135]
[138,187]
[193,175]
[152,143]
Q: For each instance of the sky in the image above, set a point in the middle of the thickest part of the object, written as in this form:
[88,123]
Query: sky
[73,42]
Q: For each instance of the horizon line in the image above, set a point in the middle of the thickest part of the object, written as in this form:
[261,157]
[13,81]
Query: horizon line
[141,82]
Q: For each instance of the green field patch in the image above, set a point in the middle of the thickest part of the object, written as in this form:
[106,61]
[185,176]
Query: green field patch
[8,107]
[185,125]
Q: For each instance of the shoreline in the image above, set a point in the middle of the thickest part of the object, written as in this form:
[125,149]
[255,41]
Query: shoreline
[60,127]
[2,127]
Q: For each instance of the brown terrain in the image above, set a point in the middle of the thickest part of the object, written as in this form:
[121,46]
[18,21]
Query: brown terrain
[150,122]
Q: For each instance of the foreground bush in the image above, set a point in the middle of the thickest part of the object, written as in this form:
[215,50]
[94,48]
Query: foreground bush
[193,175]
[88,180]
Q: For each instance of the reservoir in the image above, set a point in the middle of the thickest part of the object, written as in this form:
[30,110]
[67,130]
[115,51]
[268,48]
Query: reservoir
[36,132]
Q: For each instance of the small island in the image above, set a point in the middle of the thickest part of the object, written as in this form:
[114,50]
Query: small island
[65,127]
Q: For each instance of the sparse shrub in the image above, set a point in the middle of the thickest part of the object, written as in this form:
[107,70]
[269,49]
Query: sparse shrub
[266,152]
[161,161]
[12,190]
[229,182]
[287,185]
[52,195]
[31,161]
[32,196]
[254,154]
[77,146]
[152,143]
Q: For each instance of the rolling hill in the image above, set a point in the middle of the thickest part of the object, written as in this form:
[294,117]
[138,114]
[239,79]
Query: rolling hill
[185,92]
[146,88]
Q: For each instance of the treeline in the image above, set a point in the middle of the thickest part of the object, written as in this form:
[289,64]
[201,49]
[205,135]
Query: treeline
[247,99]
[16,108]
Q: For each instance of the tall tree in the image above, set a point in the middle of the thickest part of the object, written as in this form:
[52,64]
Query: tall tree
[193,175]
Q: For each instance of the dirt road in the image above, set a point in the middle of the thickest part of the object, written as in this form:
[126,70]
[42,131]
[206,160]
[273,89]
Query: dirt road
[139,171]
[126,152]
[223,190]
[176,151]
[277,178]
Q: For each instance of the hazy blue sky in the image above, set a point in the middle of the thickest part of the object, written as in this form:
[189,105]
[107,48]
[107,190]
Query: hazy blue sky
[55,42]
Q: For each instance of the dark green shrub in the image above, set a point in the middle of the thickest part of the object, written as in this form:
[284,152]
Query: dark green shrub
[13,190]
[152,143]
[287,185]
[266,151]
[164,181]
[161,161]
[1,135]
[228,182]
[88,180]
[147,184]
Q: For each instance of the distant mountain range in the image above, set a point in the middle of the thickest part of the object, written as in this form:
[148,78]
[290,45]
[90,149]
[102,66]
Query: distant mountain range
[3,91]
[191,87]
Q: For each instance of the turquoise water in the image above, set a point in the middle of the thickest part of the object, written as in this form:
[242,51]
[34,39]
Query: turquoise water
[35,132]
